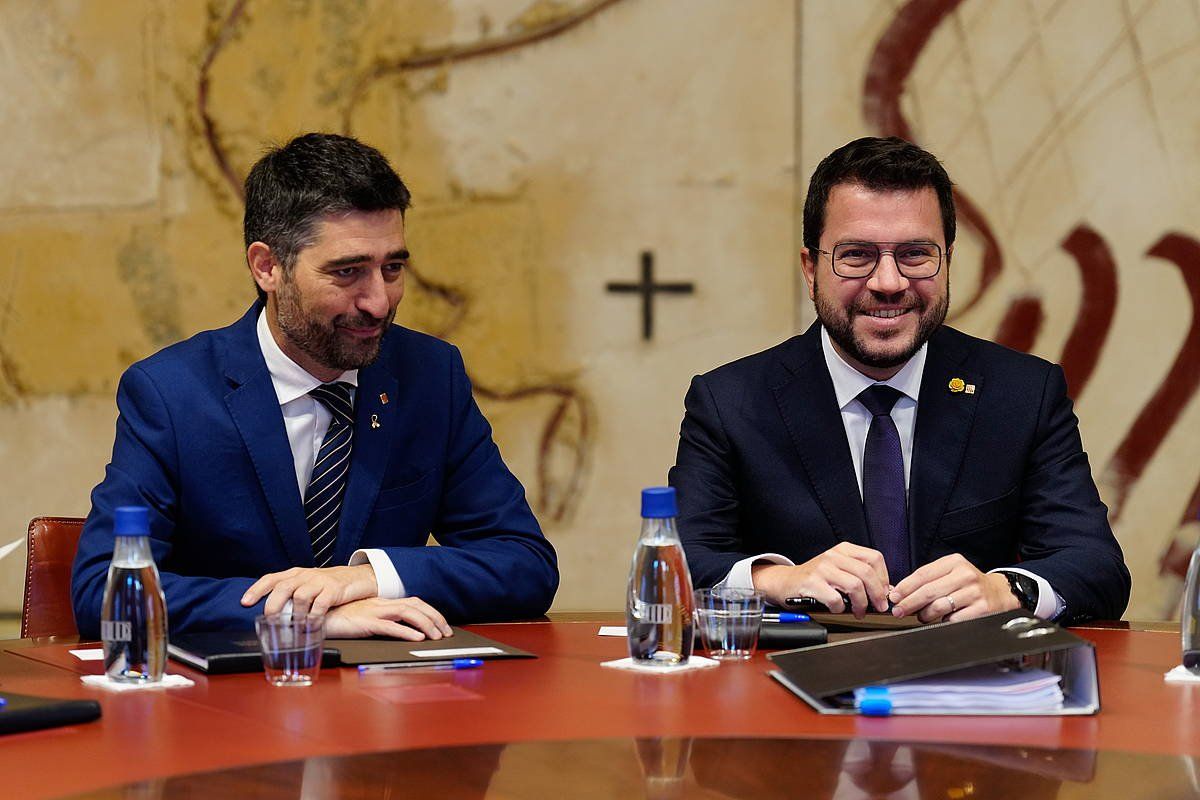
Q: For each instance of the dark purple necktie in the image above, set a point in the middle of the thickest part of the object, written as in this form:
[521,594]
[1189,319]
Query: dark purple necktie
[327,484]
[884,497]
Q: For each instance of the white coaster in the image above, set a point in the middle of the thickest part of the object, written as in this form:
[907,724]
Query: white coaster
[1181,674]
[167,682]
[693,663]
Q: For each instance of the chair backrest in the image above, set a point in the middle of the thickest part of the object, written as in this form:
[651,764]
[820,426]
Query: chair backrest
[47,610]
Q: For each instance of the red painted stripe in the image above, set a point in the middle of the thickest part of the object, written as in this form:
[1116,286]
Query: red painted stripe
[1098,274]
[1178,386]
[1021,324]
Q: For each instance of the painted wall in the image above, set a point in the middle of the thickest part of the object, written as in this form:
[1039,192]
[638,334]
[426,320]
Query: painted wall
[548,145]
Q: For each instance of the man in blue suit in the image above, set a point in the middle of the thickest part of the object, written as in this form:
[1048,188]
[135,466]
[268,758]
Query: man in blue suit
[883,458]
[304,454]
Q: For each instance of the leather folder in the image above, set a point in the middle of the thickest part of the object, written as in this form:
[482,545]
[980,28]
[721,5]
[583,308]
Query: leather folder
[790,635]
[226,652]
[23,712]
[825,676]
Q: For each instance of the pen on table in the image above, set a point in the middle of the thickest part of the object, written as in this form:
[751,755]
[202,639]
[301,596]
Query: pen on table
[786,616]
[813,604]
[458,663]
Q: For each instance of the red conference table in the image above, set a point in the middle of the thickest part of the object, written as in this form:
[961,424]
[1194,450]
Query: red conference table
[586,726]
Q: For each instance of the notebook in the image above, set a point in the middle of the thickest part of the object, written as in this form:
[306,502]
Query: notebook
[225,652]
[23,712]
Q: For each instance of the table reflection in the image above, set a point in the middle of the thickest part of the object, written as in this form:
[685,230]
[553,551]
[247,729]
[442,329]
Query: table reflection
[669,768]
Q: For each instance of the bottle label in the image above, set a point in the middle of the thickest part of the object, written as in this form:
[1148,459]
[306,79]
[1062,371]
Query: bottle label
[116,631]
[654,613]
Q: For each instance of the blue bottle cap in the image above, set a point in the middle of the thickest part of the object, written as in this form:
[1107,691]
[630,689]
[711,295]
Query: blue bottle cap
[659,502]
[131,521]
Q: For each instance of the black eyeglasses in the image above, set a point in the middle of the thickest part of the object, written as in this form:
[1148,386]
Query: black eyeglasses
[915,260]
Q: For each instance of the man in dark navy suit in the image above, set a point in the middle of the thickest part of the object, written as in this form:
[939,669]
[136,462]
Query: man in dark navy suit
[883,458]
[302,456]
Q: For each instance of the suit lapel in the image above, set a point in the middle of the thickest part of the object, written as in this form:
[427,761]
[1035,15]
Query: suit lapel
[254,406]
[809,407]
[943,426]
[375,429]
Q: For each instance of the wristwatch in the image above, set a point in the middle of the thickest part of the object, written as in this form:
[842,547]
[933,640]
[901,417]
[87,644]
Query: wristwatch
[1024,588]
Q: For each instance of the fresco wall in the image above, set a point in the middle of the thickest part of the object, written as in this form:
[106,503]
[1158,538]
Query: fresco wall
[553,149]
[1073,134]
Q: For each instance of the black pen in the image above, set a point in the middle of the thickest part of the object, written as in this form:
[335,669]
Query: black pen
[812,604]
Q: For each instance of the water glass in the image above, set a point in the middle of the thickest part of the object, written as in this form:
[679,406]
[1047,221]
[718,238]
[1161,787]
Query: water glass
[291,647]
[729,620]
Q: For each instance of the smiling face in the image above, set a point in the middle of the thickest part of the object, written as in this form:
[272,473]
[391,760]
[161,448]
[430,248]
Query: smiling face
[330,311]
[877,323]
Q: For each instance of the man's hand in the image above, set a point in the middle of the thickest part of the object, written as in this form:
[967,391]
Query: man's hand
[858,572]
[951,588]
[311,589]
[408,618]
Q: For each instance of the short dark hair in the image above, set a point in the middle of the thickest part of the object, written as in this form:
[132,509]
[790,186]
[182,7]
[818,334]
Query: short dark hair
[880,165]
[293,186]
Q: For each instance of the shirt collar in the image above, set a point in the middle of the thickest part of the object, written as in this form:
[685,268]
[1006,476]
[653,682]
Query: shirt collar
[289,378]
[848,382]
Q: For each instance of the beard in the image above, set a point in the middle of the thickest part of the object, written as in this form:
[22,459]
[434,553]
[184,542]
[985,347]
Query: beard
[322,340]
[839,322]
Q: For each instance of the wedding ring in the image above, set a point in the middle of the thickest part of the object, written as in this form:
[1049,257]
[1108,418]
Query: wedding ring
[950,600]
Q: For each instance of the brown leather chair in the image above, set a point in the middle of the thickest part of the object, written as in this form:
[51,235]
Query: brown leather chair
[47,610]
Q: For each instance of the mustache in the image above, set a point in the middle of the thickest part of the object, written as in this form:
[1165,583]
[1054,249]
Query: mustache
[361,321]
[909,301]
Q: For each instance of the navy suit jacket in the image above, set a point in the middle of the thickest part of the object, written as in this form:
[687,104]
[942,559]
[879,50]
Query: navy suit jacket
[200,440]
[998,475]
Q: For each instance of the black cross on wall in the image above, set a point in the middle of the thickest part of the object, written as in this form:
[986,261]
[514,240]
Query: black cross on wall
[647,288]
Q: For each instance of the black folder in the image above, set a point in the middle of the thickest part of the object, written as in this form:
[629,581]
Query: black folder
[825,675]
[23,712]
[223,653]
[778,635]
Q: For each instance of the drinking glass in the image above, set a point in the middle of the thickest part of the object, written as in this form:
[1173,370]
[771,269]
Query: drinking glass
[729,620]
[291,647]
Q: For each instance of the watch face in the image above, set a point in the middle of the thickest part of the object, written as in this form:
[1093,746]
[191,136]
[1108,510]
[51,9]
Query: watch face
[1025,588]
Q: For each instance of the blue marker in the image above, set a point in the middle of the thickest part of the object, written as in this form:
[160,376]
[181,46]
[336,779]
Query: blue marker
[424,666]
[787,616]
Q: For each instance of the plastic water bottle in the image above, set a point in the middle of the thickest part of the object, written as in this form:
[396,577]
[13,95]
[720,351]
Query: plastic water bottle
[1189,622]
[658,610]
[133,619]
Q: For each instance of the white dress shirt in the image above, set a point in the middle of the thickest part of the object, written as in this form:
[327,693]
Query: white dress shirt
[848,384]
[306,421]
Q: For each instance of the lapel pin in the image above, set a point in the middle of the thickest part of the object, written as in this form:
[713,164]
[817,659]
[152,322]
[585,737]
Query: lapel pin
[374,421]
[383,398]
[970,388]
[958,384]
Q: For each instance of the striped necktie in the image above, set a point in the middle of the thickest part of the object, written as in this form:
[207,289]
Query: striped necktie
[323,498]
[884,497]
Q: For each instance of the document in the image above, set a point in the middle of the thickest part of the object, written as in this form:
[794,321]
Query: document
[986,689]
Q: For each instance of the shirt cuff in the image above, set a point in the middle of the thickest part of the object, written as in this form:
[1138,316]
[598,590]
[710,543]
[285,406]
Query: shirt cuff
[390,585]
[739,576]
[1049,606]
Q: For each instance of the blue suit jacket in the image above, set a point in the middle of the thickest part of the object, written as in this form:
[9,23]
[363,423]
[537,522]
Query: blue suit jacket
[998,475]
[200,440]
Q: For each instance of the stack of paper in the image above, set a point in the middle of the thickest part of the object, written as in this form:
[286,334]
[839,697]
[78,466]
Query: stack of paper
[985,689]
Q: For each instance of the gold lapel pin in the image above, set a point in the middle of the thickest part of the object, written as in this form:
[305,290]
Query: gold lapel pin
[958,384]
[374,421]
[383,398]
